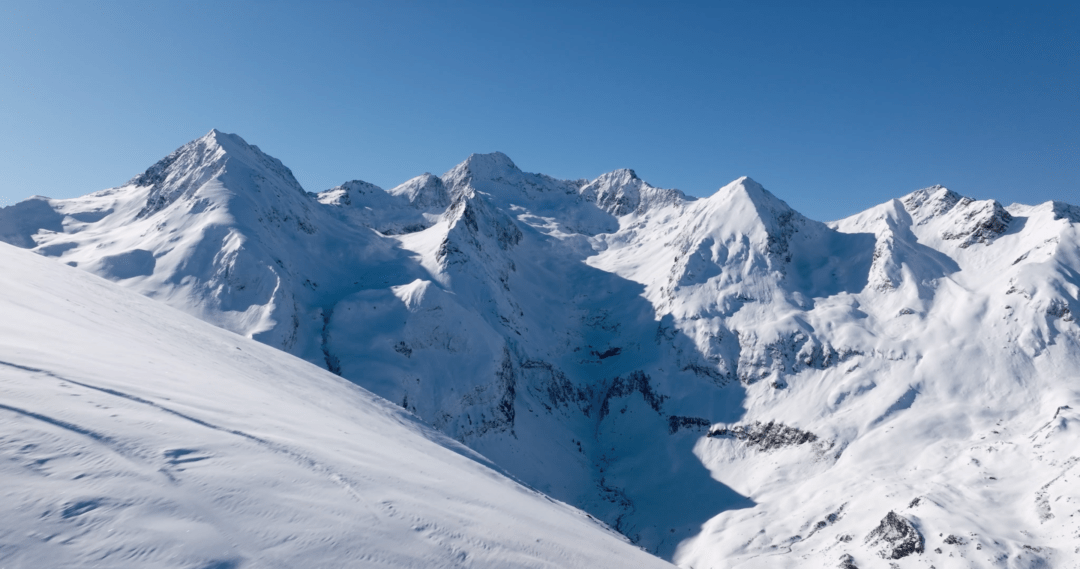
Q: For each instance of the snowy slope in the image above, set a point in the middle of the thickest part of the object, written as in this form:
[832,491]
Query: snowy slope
[941,391]
[136,436]
[722,380]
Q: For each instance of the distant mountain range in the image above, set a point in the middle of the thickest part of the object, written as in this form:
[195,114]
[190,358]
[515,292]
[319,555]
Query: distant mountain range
[722,380]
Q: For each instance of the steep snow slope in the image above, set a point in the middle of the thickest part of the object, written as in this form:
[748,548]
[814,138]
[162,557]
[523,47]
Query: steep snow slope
[931,394]
[135,436]
[721,379]
[552,368]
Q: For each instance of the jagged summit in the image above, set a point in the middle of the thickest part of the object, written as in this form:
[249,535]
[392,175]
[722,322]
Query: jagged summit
[208,151]
[952,217]
[621,192]
[622,175]
[492,173]
[424,192]
[929,202]
[921,195]
[617,192]
[217,155]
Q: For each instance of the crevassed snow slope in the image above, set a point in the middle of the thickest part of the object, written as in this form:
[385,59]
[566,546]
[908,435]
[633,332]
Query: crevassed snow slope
[132,435]
[722,380]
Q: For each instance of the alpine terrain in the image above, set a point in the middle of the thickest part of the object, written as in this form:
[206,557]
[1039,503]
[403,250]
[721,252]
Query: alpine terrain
[722,380]
[133,435]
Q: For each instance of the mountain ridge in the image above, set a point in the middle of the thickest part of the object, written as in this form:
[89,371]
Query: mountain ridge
[713,377]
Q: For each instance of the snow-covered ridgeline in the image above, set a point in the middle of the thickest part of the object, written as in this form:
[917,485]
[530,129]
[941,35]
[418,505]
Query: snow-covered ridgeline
[714,377]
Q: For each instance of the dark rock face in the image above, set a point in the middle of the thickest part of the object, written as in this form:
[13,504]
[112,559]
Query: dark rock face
[635,382]
[607,353]
[779,240]
[954,540]
[554,389]
[508,387]
[676,422]
[847,562]
[991,227]
[981,222]
[1059,309]
[939,202]
[898,535]
[973,221]
[155,177]
[333,364]
[766,436]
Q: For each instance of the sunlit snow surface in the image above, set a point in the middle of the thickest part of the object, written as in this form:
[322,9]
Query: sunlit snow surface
[132,435]
[722,380]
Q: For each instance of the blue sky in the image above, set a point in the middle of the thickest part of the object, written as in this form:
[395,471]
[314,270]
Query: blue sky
[833,106]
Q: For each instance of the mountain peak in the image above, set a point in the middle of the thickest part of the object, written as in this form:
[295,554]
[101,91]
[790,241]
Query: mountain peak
[211,156]
[224,140]
[622,175]
[360,186]
[344,194]
[617,192]
[424,192]
[493,166]
[931,202]
[960,218]
[494,160]
[936,193]
[212,148]
[745,207]
[622,192]
[746,189]
[748,186]
[749,182]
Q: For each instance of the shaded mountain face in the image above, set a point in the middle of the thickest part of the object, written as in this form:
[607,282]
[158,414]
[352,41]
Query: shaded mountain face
[136,436]
[722,380]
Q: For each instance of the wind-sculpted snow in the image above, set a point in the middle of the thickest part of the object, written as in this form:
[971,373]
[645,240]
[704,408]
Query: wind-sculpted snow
[722,380]
[20,222]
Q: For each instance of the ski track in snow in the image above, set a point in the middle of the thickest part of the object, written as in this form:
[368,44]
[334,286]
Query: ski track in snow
[298,457]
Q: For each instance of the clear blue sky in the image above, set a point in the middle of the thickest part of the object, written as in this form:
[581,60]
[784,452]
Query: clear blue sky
[833,106]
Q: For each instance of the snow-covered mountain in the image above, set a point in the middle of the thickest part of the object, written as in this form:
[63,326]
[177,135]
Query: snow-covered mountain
[136,436]
[722,380]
